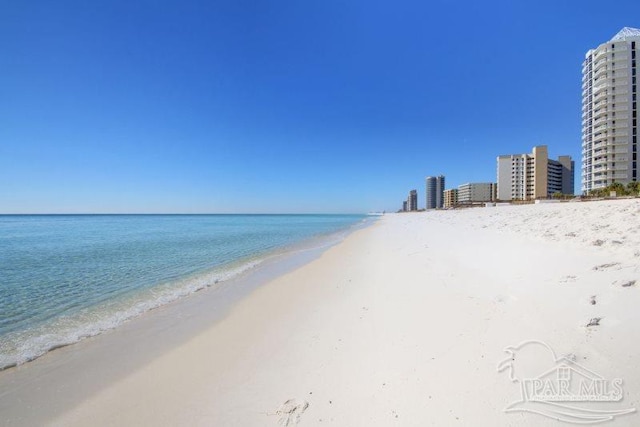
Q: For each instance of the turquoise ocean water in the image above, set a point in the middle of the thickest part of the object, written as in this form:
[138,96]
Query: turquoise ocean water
[67,277]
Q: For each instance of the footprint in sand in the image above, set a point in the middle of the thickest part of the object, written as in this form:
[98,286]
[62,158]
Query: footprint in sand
[607,266]
[625,283]
[568,279]
[594,322]
[291,411]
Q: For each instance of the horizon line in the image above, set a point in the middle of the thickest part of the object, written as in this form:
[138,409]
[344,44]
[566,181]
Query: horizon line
[180,213]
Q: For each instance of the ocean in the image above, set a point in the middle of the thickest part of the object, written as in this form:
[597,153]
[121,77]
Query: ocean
[68,277]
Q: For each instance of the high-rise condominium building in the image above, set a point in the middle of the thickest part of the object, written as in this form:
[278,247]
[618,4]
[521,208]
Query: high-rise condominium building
[435,192]
[475,192]
[412,200]
[450,198]
[609,112]
[534,176]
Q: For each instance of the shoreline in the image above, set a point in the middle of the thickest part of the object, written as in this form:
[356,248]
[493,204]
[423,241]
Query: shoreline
[404,322]
[112,313]
[116,352]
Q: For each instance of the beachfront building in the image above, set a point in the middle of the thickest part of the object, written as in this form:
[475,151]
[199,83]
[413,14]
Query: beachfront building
[609,112]
[476,192]
[450,198]
[412,200]
[435,192]
[533,176]
[404,206]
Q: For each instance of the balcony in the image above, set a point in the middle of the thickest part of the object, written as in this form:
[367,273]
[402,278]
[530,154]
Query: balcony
[601,95]
[599,104]
[600,72]
[603,75]
[599,88]
[600,121]
[599,139]
[598,53]
[600,112]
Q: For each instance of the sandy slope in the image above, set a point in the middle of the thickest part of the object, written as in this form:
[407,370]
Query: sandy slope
[404,323]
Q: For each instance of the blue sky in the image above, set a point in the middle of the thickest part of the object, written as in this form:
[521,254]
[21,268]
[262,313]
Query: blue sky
[281,106]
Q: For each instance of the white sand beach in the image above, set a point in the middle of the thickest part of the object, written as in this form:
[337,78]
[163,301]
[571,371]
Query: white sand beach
[405,323]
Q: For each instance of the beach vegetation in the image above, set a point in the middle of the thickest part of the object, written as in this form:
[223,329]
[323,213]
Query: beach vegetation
[631,189]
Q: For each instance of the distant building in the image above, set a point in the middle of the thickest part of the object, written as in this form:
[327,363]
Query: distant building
[450,198]
[476,192]
[609,110]
[435,192]
[404,206]
[534,176]
[412,201]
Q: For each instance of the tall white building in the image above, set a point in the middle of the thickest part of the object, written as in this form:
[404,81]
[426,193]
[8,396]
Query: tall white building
[609,112]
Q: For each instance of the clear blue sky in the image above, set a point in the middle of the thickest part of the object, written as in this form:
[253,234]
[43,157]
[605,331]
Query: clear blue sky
[281,106]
